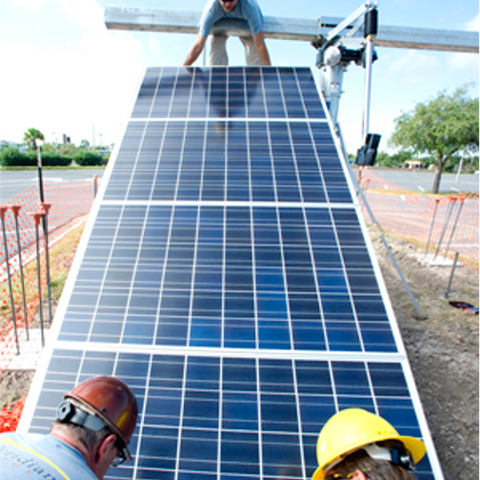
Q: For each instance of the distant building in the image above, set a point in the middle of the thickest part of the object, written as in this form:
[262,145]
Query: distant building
[413,164]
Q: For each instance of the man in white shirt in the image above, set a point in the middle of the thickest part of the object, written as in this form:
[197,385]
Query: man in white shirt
[255,49]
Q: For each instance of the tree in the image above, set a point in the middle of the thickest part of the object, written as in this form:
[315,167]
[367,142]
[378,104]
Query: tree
[442,127]
[31,136]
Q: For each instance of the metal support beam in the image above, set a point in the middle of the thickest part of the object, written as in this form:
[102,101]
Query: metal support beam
[154,20]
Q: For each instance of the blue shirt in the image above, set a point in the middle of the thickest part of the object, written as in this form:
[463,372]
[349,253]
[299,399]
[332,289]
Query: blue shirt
[35,457]
[247,10]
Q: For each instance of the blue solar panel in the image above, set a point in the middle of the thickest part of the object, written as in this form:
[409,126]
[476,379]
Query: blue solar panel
[226,160]
[206,415]
[227,277]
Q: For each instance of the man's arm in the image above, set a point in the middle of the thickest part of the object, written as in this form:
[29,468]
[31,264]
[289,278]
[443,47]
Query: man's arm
[195,51]
[261,48]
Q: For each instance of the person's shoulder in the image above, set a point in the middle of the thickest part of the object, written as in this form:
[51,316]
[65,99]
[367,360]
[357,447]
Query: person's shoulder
[212,6]
[23,439]
[250,3]
[17,437]
[251,9]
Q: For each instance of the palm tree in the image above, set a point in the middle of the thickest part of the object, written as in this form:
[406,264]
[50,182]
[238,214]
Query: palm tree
[31,136]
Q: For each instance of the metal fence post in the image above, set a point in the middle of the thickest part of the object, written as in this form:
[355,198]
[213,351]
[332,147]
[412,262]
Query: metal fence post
[462,201]
[45,209]
[15,209]
[451,203]
[3,209]
[37,216]
[437,201]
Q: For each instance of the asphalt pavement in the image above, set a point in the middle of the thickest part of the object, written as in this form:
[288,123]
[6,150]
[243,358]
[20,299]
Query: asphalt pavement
[15,182]
[422,181]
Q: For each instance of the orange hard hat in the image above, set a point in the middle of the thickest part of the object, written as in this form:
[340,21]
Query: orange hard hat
[111,400]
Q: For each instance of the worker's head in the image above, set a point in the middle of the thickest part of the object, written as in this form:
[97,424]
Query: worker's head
[356,441]
[228,5]
[101,407]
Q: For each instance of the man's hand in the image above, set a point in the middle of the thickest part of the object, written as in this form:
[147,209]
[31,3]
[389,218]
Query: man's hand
[195,51]
[261,48]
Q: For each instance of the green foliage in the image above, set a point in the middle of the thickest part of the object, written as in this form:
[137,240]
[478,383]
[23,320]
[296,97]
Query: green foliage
[53,159]
[31,136]
[11,156]
[87,158]
[53,154]
[396,160]
[67,149]
[399,158]
[383,159]
[442,127]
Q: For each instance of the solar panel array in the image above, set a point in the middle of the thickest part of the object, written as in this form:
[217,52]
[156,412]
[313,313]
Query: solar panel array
[226,276]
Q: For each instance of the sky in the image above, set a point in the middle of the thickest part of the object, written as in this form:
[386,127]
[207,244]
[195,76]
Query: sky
[63,72]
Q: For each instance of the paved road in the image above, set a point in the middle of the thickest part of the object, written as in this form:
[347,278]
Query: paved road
[423,181]
[14,182]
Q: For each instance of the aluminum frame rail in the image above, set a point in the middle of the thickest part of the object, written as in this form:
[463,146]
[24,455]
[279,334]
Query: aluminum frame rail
[156,20]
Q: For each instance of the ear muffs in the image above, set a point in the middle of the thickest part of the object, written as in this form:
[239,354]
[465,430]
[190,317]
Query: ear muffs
[65,411]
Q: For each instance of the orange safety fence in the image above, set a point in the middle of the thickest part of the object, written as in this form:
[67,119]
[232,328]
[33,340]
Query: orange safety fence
[70,203]
[443,224]
[10,415]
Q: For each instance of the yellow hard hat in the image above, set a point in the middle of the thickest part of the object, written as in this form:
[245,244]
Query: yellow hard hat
[350,430]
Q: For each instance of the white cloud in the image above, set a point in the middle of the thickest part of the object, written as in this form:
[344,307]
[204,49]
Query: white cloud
[30,6]
[473,25]
[412,66]
[88,14]
[465,65]
[88,80]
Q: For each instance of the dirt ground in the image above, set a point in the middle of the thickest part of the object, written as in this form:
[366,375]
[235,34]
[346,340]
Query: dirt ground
[442,349]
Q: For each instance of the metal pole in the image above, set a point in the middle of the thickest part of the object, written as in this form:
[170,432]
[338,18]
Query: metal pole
[447,291]
[15,209]
[437,200]
[420,315]
[44,224]
[331,79]
[36,217]
[459,171]
[45,208]
[40,176]
[452,200]
[370,31]
[3,209]
[368,87]
[95,178]
[462,200]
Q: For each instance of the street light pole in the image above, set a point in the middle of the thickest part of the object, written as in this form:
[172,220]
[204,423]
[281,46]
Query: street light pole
[40,176]
[45,208]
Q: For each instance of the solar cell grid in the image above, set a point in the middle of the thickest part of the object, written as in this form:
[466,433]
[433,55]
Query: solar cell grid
[228,281]
[210,415]
[222,93]
[281,288]
[234,161]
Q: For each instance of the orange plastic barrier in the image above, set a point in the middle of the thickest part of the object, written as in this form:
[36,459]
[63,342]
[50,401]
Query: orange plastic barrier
[10,415]
[446,224]
[69,205]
